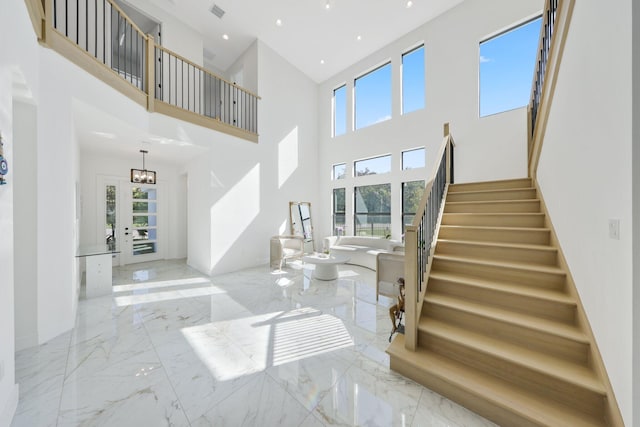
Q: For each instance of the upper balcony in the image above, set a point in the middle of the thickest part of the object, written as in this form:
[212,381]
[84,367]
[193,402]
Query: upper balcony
[98,36]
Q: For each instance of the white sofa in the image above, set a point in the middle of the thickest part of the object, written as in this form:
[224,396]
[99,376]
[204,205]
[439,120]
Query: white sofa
[362,250]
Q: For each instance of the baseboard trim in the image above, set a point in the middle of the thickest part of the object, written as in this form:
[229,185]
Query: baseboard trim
[6,416]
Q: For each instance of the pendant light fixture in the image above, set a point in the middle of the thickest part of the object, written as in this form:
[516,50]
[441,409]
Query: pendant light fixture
[143,176]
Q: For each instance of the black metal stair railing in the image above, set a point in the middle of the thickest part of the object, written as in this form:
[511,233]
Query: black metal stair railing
[547,31]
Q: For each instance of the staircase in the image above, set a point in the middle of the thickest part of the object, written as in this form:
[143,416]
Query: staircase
[500,330]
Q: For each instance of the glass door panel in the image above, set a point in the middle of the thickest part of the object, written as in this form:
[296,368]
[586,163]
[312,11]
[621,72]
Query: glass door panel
[144,222]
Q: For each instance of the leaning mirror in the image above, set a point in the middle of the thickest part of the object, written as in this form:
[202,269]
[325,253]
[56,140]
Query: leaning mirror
[300,215]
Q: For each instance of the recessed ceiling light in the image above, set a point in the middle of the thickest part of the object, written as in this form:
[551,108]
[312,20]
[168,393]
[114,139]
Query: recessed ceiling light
[409,4]
[321,61]
[279,22]
[359,37]
[225,36]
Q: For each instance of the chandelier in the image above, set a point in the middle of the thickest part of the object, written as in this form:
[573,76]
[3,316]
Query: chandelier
[143,176]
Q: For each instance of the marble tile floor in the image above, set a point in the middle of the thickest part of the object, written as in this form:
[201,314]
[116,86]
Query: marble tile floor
[172,347]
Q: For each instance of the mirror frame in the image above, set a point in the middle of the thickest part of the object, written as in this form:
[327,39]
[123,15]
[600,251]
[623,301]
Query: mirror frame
[307,234]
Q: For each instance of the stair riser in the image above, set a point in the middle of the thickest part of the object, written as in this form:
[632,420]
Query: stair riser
[520,194]
[495,220]
[557,346]
[528,206]
[503,275]
[545,309]
[526,237]
[496,185]
[540,256]
[530,379]
[479,405]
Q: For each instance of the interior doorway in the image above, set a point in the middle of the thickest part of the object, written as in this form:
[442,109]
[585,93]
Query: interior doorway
[130,219]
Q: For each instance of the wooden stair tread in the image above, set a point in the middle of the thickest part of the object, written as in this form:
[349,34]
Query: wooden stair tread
[542,248]
[515,265]
[510,317]
[537,409]
[495,228]
[491,184]
[496,190]
[522,290]
[494,202]
[575,374]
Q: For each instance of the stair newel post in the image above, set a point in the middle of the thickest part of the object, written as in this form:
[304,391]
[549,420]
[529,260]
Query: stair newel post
[411,288]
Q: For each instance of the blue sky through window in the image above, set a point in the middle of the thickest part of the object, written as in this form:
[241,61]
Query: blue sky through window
[412,159]
[373,97]
[374,165]
[506,68]
[413,80]
[340,111]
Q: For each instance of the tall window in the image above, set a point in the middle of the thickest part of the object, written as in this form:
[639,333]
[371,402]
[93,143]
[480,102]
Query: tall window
[340,110]
[372,166]
[413,80]
[413,159]
[373,97]
[372,210]
[338,211]
[506,68]
[411,195]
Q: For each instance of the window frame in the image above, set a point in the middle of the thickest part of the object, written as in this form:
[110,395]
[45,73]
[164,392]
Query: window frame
[333,171]
[404,214]
[355,165]
[509,29]
[372,70]
[335,212]
[424,158]
[335,111]
[356,229]
[420,45]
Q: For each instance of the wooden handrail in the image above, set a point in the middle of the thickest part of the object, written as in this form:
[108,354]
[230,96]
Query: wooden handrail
[126,17]
[553,35]
[420,236]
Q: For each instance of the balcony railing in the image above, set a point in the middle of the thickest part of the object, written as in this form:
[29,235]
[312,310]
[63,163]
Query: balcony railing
[183,84]
[98,36]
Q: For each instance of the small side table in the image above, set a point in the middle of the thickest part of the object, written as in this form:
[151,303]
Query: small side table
[326,266]
[99,274]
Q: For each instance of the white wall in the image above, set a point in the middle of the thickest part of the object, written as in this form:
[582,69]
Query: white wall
[249,186]
[585,174]
[8,388]
[26,277]
[635,377]
[247,63]
[452,60]
[176,35]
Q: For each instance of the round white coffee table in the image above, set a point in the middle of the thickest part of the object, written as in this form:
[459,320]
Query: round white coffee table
[326,265]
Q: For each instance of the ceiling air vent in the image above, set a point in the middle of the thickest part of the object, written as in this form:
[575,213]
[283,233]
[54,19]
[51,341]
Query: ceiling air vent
[216,10]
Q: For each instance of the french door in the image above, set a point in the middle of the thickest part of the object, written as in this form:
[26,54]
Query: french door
[129,219]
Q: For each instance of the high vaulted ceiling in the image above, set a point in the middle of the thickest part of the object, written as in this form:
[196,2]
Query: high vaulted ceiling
[311,31]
